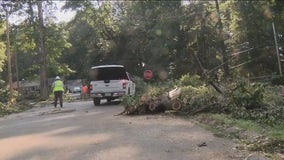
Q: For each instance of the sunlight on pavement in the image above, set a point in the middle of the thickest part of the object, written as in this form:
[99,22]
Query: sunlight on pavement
[46,118]
[115,153]
[20,145]
[192,136]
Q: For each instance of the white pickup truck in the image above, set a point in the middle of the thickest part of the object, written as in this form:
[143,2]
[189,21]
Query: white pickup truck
[110,82]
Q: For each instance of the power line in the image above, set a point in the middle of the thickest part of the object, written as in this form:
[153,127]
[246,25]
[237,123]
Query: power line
[236,66]
[240,52]
[233,56]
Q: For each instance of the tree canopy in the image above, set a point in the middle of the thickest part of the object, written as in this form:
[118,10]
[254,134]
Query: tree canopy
[169,37]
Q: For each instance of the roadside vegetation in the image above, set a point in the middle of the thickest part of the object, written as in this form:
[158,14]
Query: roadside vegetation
[252,112]
[18,102]
[11,103]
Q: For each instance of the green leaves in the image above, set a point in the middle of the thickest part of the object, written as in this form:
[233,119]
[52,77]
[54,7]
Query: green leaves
[2,54]
[256,102]
[247,95]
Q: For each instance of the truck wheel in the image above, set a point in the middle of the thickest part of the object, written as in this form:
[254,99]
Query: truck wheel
[97,101]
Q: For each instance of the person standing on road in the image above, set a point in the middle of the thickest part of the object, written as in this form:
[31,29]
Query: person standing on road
[58,89]
[85,92]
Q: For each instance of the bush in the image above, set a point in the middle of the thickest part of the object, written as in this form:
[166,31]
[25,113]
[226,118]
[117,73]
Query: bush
[7,109]
[128,100]
[187,80]
[273,95]
[273,98]
[278,80]
[246,95]
[254,101]
[140,85]
[4,94]
[195,97]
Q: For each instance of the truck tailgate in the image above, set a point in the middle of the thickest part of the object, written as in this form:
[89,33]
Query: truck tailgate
[109,86]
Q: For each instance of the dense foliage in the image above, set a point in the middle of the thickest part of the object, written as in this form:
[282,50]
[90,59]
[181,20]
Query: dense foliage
[187,44]
[243,99]
[172,38]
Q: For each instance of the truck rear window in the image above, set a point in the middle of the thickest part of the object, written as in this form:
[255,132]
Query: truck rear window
[108,73]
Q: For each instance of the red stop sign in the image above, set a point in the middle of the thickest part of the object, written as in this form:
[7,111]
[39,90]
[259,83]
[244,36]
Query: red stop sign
[148,74]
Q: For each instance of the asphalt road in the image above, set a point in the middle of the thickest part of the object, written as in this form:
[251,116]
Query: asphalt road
[82,131]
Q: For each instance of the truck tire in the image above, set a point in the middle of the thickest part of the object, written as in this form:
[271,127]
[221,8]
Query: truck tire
[97,101]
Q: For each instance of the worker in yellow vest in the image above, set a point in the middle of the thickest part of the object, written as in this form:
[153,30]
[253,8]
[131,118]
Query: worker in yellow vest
[58,89]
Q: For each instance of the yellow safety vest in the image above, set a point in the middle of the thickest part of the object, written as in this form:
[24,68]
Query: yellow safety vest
[58,86]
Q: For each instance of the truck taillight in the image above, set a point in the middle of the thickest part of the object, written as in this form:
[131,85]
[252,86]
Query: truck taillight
[123,84]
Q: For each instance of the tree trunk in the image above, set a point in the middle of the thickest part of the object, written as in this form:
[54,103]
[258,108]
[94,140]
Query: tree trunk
[43,77]
[223,47]
[17,70]
[8,52]
[204,72]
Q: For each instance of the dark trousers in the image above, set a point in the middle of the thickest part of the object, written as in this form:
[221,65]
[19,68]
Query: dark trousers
[58,95]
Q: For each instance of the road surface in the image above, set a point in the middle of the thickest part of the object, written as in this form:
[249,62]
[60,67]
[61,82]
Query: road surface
[86,132]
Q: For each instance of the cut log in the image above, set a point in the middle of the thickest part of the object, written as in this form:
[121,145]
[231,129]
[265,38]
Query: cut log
[152,106]
[131,109]
[176,105]
[166,101]
[174,94]
[144,99]
[142,109]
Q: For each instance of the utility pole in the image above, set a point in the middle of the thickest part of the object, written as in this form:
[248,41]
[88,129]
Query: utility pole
[277,50]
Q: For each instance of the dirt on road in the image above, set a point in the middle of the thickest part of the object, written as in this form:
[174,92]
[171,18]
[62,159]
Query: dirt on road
[81,131]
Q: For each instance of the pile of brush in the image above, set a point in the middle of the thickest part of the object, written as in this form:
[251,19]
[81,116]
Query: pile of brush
[161,103]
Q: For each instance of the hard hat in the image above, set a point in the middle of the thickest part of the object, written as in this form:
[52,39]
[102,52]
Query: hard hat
[57,77]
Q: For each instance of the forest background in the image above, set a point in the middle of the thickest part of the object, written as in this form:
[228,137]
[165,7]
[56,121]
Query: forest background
[232,38]
[235,47]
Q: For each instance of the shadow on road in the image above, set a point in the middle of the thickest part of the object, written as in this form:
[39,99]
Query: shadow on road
[109,104]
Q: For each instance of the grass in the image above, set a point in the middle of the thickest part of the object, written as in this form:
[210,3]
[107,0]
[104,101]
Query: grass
[256,137]
[274,132]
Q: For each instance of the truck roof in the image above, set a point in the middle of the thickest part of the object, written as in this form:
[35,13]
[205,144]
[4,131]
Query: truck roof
[105,66]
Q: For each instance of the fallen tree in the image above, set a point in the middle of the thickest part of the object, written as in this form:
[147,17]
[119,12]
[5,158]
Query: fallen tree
[146,104]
